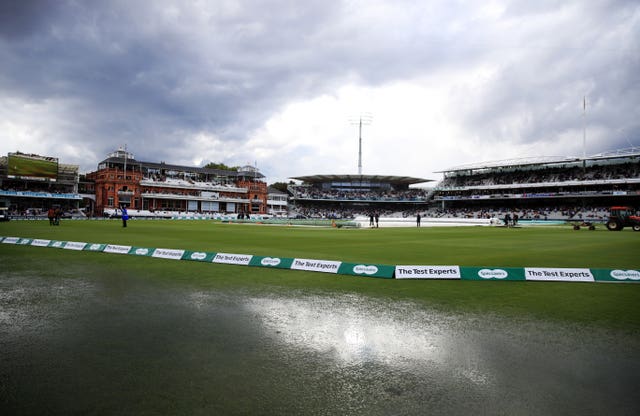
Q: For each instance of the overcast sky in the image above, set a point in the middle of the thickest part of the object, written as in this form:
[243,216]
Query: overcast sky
[281,83]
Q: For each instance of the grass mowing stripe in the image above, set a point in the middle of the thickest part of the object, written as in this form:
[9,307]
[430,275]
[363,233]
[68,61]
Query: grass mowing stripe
[464,246]
[609,305]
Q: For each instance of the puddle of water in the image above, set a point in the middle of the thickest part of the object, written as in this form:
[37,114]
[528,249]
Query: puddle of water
[107,345]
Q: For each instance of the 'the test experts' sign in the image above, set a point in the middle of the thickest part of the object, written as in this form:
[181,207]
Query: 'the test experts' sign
[75,245]
[558,275]
[229,258]
[167,253]
[116,249]
[324,266]
[427,272]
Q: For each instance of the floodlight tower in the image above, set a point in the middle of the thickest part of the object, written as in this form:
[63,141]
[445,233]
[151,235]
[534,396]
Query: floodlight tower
[363,119]
[584,142]
[584,127]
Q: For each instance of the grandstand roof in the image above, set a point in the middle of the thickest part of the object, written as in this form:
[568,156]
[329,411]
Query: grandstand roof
[395,180]
[168,166]
[628,152]
[524,161]
[544,160]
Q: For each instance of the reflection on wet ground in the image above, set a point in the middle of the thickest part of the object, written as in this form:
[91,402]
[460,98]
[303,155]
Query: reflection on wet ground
[126,346]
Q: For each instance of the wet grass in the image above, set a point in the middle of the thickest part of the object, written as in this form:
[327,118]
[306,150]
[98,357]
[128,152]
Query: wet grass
[464,246]
[610,305]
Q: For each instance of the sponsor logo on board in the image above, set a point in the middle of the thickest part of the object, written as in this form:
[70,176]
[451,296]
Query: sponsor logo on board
[94,247]
[117,249]
[427,272]
[40,243]
[270,261]
[166,253]
[364,269]
[324,266]
[625,274]
[141,251]
[198,255]
[493,274]
[558,275]
[229,258]
[74,245]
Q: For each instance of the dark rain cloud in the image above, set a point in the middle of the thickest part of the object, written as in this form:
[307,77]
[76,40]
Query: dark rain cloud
[155,74]
[136,77]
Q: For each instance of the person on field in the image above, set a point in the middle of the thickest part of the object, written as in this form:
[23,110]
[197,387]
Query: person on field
[56,216]
[125,216]
[507,220]
[418,220]
[51,214]
[371,219]
[377,218]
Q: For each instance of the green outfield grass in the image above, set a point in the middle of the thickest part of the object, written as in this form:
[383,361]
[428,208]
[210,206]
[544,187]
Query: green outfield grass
[611,305]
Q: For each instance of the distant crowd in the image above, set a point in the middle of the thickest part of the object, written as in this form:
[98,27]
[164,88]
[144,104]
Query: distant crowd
[550,175]
[567,213]
[306,192]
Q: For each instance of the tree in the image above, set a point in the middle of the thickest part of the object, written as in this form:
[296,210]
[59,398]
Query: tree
[282,186]
[220,166]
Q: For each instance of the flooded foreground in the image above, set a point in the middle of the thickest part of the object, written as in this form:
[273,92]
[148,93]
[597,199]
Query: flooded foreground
[126,346]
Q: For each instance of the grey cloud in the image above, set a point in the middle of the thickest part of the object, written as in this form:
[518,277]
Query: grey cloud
[153,75]
[19,19]
[536,94]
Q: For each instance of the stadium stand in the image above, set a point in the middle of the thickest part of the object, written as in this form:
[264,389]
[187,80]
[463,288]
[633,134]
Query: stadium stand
[542,189]
[31,184]
[545,188]
[345,196]
[158,186]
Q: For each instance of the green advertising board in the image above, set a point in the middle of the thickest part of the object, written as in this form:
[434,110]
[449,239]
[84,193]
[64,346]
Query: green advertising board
[492,273]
